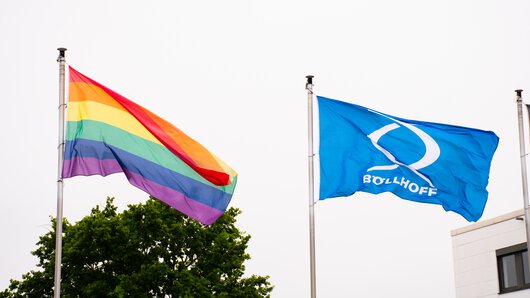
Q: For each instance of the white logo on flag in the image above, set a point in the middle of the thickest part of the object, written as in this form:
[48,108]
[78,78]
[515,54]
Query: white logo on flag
[432,150]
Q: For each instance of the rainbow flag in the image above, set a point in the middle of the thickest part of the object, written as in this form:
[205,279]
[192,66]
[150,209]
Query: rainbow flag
[106,133]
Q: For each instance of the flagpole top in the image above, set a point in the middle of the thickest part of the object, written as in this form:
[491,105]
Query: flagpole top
[61,52]
[309,79]
[519,92]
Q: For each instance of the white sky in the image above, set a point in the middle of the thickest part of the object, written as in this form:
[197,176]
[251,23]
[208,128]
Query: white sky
[231,74]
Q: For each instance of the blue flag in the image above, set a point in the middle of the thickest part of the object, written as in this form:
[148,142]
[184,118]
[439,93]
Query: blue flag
[365,150]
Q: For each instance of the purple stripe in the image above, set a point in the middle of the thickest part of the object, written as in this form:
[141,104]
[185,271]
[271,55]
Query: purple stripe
[92,166]
[197,210]
[195,189]
[88,166]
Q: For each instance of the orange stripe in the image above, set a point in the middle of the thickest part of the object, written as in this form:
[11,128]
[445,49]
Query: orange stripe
[200,160]
[82,91]
[192,148]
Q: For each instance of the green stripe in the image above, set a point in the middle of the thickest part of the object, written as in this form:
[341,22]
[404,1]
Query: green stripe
[157,153]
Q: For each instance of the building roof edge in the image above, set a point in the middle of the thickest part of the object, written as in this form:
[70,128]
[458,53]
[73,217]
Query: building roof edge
[488,222]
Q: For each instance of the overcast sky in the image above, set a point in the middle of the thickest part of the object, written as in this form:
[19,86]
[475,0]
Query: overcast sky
[231,74]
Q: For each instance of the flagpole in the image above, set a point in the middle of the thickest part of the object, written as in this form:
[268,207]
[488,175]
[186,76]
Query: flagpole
[59,219]
[309,88]
[519,100]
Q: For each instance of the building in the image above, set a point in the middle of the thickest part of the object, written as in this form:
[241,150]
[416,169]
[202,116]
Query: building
[490,258]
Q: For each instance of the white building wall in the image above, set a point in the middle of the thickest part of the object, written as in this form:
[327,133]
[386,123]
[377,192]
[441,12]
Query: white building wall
[475,260]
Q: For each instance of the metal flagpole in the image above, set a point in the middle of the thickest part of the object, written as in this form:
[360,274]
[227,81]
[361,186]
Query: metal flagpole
[59,219]
[522,150]
[309,88]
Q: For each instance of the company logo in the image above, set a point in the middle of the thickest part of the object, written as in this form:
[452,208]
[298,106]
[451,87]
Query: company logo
[432,152]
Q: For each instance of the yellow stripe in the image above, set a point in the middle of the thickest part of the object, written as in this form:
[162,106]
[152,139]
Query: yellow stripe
[89,110]
[226,168]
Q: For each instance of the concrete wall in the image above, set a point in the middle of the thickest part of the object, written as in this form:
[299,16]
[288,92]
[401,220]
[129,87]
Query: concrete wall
[474,255]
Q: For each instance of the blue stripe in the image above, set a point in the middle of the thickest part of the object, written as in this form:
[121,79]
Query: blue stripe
[193,189]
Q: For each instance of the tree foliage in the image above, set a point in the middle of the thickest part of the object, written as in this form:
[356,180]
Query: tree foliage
[149,250]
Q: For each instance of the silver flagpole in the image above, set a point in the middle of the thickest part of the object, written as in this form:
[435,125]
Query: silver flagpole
[59,219]
[522,150]
[309,88]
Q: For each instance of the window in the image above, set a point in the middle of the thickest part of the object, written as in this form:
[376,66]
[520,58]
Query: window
[512,264]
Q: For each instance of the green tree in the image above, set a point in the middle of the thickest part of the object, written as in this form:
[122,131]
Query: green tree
[149,250]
